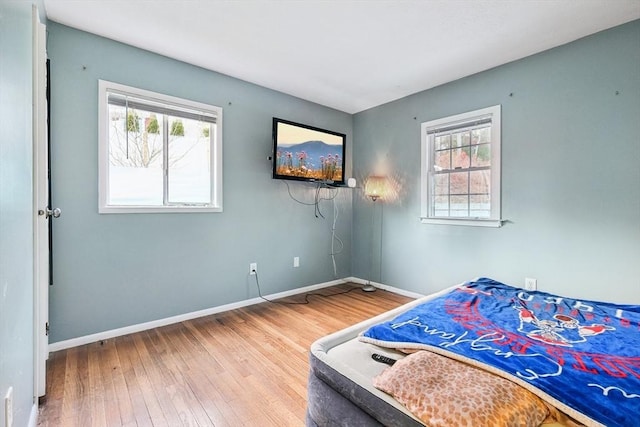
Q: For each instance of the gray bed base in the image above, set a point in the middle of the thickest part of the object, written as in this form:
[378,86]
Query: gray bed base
[344,403]
[340,390]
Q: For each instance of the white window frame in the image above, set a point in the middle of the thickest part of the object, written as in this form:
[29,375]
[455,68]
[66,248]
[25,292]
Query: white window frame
[427,167]
[106,87]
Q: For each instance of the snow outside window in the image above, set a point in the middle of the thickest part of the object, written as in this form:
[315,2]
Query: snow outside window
[158,153]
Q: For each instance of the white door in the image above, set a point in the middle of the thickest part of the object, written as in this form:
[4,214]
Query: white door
[42,211]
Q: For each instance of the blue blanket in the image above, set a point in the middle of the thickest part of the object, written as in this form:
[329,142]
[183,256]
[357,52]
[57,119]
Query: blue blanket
[585,355]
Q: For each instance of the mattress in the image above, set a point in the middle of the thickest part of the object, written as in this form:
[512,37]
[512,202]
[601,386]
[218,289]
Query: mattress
[342,371]
[340,390]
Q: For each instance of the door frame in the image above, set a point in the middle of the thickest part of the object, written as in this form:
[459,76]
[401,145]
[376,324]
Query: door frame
[40,202]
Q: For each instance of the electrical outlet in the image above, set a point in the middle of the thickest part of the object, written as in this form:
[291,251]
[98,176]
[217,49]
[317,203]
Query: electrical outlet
[8,408]
[253,268]
[296,261]
[530,284]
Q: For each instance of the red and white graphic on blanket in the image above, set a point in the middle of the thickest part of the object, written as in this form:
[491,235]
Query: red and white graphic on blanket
[563,330]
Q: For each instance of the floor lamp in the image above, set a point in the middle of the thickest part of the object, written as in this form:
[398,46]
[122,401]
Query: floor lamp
[374,189]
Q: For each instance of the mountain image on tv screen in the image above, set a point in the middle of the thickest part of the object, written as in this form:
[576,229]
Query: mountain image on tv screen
[308,153]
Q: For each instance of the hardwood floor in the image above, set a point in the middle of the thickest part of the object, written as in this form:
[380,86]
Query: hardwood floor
[246,367]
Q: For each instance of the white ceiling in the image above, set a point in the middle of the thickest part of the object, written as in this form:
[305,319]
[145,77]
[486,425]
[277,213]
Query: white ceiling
[347,54]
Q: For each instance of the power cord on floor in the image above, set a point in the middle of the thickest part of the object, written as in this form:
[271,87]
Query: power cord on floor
[306,296]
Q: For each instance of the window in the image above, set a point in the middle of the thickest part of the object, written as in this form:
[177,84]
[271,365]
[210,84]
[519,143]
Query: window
[158,153]
[461,169]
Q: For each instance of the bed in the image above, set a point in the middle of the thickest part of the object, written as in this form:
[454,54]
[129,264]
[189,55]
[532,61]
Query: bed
[580,359]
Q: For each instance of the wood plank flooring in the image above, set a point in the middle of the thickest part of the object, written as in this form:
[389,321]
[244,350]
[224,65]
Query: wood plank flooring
[246,367]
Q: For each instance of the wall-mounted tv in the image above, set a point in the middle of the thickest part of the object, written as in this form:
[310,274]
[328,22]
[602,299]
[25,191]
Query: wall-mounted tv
[307,153]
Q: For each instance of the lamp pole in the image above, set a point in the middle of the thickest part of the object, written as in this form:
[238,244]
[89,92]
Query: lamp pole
[375,188]
[369,287]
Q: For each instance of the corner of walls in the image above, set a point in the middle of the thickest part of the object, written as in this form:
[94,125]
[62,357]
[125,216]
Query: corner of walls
[570,154]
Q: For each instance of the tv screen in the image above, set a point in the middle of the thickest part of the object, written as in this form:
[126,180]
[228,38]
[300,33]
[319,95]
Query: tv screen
[307,153]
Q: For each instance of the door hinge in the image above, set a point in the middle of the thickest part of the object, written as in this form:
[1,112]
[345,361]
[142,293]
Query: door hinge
[46,329]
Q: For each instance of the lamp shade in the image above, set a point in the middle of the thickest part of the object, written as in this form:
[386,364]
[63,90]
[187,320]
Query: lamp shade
[375,187]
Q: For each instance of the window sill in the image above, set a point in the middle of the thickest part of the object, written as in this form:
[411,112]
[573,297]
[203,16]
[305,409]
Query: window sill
[495,223]
[157,209]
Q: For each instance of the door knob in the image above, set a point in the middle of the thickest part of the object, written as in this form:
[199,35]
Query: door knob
[50,213]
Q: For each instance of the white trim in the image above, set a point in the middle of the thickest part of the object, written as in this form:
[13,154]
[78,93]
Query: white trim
[426,172]
[40,201]
[33,416]
[496,163]
[104,87]
[462,117]
[384,287]
[425,156]
[473,222]
[87,339]
[157,209]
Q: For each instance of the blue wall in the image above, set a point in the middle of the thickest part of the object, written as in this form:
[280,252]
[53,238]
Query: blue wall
[570,190]
[570,176]
[16,209]
[117,270]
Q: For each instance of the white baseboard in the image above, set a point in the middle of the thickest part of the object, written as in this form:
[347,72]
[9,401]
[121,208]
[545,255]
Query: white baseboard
[384,287]
[33,417]
[88,339]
